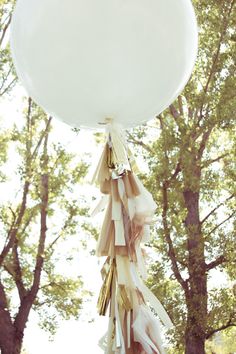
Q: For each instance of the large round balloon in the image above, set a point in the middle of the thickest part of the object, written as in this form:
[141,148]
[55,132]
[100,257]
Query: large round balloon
[87,60]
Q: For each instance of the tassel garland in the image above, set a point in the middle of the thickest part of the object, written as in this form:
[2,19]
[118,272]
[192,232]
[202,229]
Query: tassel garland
[133,329]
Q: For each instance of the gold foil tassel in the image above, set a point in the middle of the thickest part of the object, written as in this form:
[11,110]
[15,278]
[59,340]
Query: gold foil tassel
[106,290]
[124,298]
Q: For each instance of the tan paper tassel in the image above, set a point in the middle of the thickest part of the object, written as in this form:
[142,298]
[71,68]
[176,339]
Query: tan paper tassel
[102,172]
[108,229]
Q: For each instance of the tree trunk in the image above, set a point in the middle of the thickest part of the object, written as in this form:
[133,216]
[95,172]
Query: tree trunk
[195,333]
[10,338]
[6,342]
[7,330]
[11,348]
[194,344]
[18,341]
[10,342]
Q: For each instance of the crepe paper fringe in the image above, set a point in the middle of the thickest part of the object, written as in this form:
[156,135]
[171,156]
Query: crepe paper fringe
[133,328]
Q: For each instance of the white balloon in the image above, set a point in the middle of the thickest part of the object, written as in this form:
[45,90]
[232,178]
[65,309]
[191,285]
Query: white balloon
[87,60]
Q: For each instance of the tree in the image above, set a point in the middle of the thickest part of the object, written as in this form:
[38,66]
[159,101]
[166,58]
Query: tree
[190,158]
[46,176]
[37,220]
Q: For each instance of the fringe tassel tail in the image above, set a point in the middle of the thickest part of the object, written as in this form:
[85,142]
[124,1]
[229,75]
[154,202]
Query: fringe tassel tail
[133,329]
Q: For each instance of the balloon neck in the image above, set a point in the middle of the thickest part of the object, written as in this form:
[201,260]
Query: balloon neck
[107,120]
[113,127]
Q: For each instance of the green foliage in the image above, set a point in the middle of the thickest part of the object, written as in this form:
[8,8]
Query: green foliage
[168,289]
[7,72]
[61,298]
[221,304]
[223,343]
[4,139]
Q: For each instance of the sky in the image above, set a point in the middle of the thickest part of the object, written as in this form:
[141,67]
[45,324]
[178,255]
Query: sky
[74,337]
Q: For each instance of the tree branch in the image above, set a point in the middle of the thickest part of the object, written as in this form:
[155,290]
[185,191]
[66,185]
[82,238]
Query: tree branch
[190,112]
[4,30]
[178,166]
[45,132]
[176,172]
[139,142]
[204,141]
[41,246]
[18,272]
[8,87]
[171,251]
[223,222]
[230,323]
[28,221]
[68,220]
[215,263]
[174,112]
[14,230]
[209,162]
[28,143]
[215,60]
[177,114]
[29,299]
[164,140]
[180,101]
[3,298]
[43,215]
[216,208]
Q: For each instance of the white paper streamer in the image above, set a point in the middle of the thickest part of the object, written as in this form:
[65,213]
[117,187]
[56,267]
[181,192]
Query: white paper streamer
[100,206]
[116,210]
[146,326]
[157,306]
[119,336]
[119,233]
